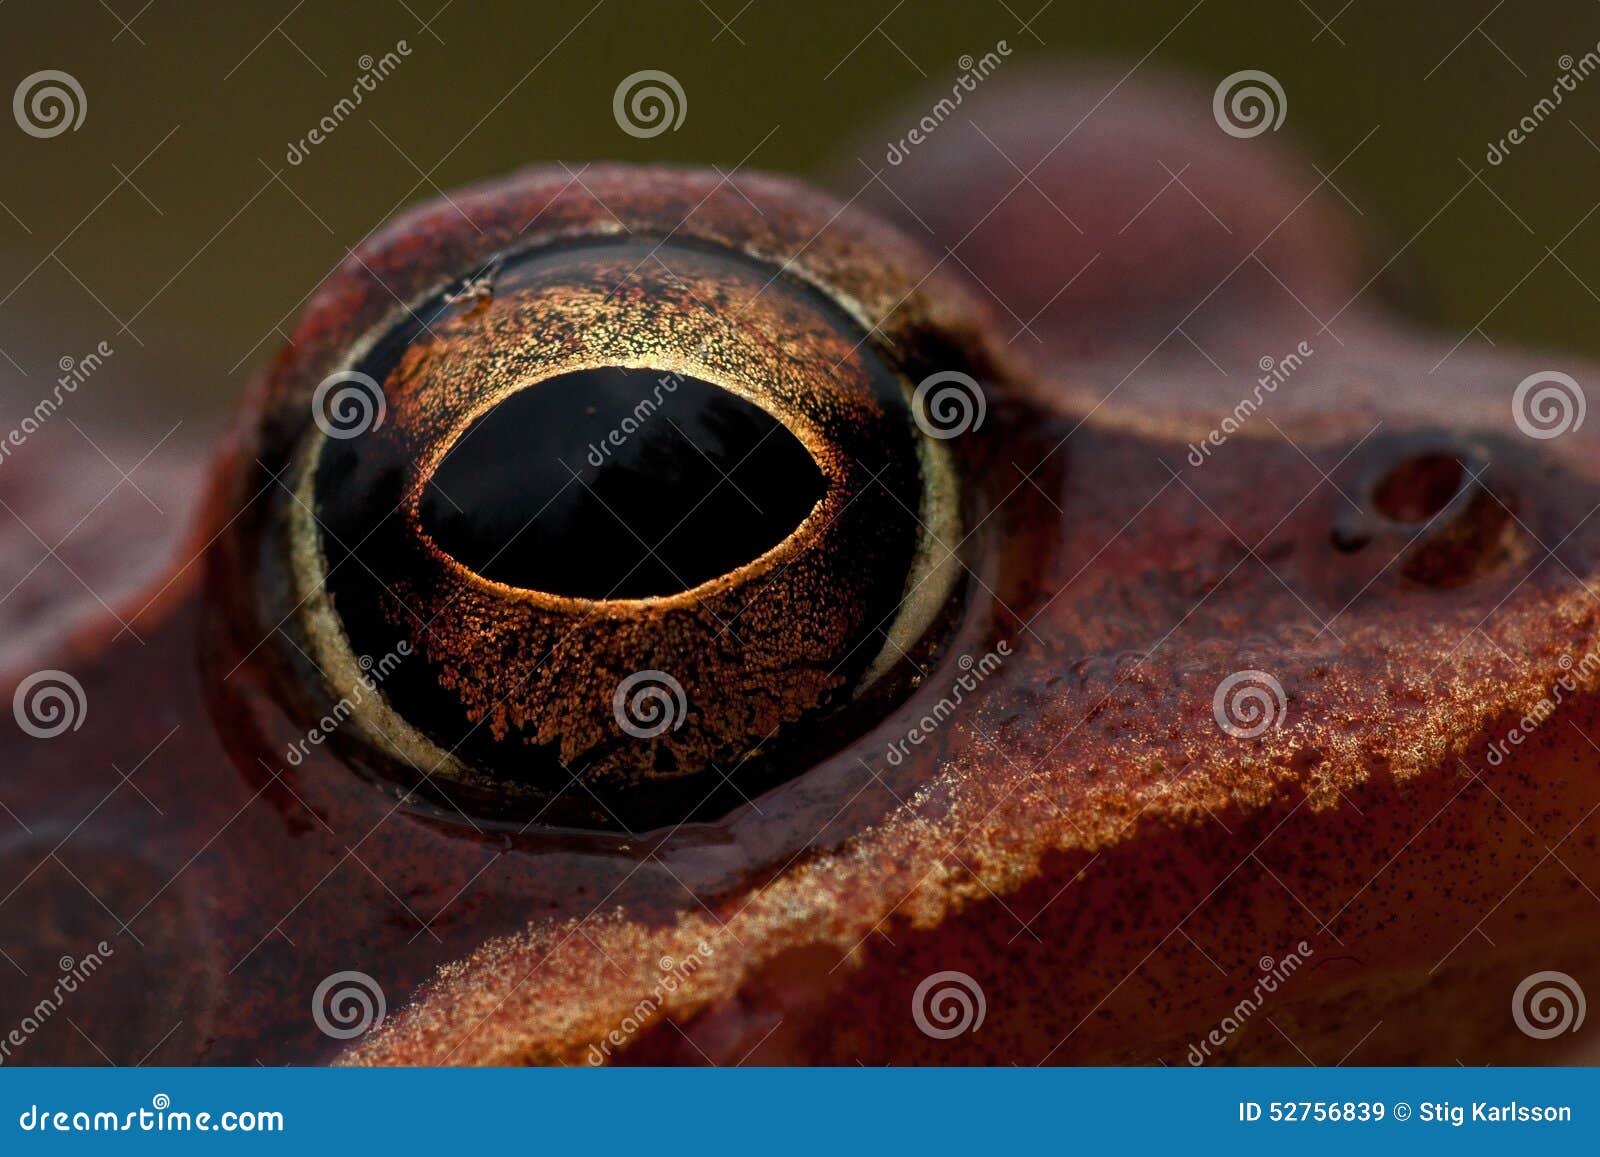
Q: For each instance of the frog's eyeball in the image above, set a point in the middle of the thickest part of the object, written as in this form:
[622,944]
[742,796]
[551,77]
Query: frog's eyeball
[616,531]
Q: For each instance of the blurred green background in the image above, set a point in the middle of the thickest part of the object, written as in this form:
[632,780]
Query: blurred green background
[162,213]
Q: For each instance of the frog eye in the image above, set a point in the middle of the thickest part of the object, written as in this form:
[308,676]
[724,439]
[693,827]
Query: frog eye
[614,532]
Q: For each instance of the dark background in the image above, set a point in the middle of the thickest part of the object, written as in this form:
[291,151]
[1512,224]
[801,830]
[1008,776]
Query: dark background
[161,221]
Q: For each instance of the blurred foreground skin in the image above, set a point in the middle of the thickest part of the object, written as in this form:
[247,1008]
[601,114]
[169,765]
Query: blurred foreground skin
[1243,788]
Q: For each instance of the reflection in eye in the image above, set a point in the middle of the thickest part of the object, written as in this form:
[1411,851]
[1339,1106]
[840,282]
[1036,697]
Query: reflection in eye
[654,521]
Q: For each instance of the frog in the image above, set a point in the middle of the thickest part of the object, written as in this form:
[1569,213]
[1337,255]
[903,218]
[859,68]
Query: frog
[1073,618]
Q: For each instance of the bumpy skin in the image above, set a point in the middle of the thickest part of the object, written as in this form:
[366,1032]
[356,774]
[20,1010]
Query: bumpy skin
[1080,838]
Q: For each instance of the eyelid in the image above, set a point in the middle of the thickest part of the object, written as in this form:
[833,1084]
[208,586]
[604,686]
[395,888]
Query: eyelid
[775,358]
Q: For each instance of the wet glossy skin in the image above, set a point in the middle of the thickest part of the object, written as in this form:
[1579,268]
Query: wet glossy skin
[1081,838]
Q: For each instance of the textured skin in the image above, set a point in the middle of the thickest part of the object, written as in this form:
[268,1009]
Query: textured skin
[1080,837]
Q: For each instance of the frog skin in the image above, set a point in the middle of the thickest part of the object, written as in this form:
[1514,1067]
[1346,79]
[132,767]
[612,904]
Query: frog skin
[1080,847]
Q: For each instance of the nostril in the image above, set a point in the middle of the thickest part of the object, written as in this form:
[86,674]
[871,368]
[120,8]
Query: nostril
[1426,501]
[1419,487]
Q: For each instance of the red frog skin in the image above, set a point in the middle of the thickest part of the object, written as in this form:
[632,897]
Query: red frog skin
[1141,645]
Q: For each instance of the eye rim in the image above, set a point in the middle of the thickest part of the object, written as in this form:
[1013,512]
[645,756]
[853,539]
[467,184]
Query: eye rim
[918,315]
[818,409]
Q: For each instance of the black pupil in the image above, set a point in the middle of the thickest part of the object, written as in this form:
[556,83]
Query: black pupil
[615,483]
